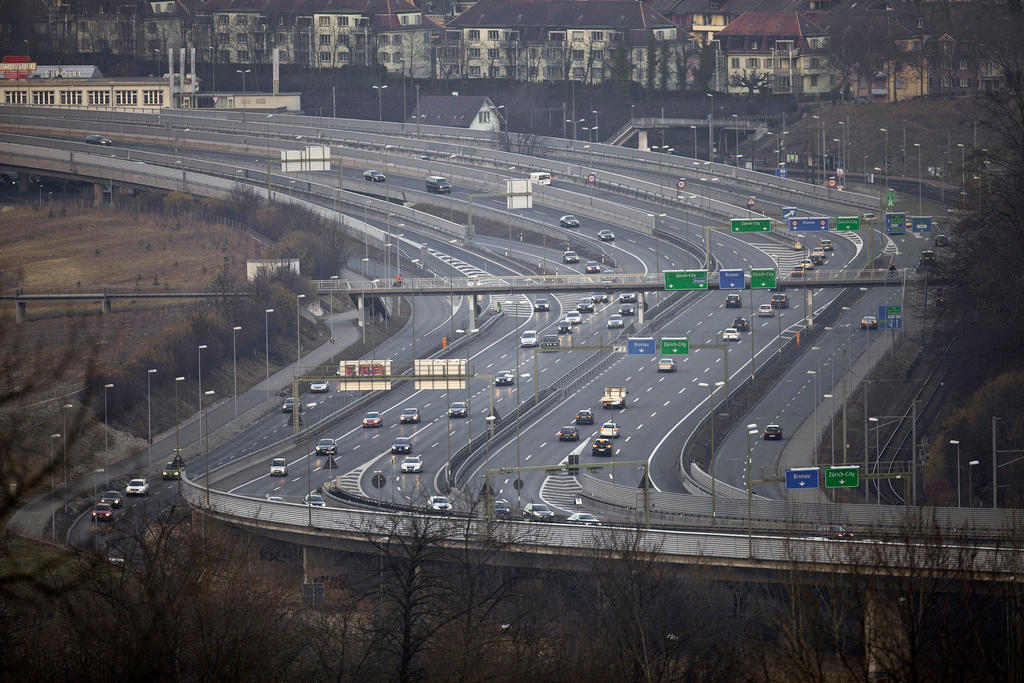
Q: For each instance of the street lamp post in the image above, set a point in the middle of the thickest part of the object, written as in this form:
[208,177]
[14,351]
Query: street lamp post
[956,443]
[918,145]
[67,407]
[201,347]
[970,481]
[266,343]
[234,364]
[106,432]
[380,101]
[751,430]
[243,72]
[177,419]
[149,412]
[885,161]
[206,447]
[878,485]
[711,121]
[298,339]
[711,408]
[53,510]
[694,130]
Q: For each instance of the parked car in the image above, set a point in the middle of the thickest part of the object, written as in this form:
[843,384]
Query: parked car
[569,221]
[412,464]
[374,176]
[584,518]
[326,447]
[279,467]
[102,512]
[538,511]
[137,487]
[568,433]
[410,416]
[606,235]
[373,419]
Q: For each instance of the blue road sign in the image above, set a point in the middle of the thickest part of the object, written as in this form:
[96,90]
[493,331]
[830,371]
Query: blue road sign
[801,478]
[788,212]
[731,279]
[921,223]
[808,224]
[782,172]
[895,223]
[642,346]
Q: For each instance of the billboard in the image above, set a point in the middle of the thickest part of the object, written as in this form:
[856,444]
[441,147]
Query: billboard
[433,373]
[365,375]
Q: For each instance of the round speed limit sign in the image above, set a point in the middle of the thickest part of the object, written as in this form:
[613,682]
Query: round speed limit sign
[591,178]
[681,183]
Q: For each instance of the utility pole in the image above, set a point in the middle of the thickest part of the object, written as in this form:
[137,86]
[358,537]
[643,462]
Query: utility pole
[995,479]
[913,453]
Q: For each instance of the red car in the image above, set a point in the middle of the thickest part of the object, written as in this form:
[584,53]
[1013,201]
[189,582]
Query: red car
[102,512]
[373,420]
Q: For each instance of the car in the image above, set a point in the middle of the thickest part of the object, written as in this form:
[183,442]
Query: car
[570,257]
[528,339]
[574,318]
[541,305]
[326,447]
[137,487]
[818,259]
[569,221]
[275,499]
[550,341]
[869,322]
[780,301]
[610,429]
[741,324]
[409,416]
[627,298]
[606,235]
[666,365]
[113,498]
[592,267]
[413,464]
[401,445]
[819,252]
[808,265]
[826,245]
[627,309]
[102,512]
[97,140]
[584,518]
[458,409]
[765,311]
[288,405]
[374,176]
[174,468]
[733,301]
[585,305]
[319,387]
[730,334]
[502,509]
[833,531]
[315,500]
[870,217]
[798,270]
[941,240]
[773,432]
[616,321]
[927,258]
[439,504]
[584,417]
[538,511]
[373,419]
[600,297]
[563,327]
[602,447]
[504,378]
[279,467]
[568,433]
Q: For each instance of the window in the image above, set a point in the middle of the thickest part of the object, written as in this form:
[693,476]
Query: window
[492,34]
[473,53]
[153,97]
[284,56]
[325,39]
[224,56]
[384,57]
[323,21]
[99,97]
[325,56]
[473,34]
[734,62]
[577,54]
[222,18]
[126,97]
[474,71]
[16,97]
[484,117]
[342,39]
[512,35]
[597,54]
[556,36]
[814,62]
[222,38]
[578,73]
[963,82]
[493,71]
[596,36]
[382,40]
[243,56]
[945,81]
[70,97]
[577,36]
[396,40]
[343,58]
[814,80]
[753,62]
[397,58]
[598,74]
[920,22]
[963,64]
[242,38]
[552,73]
[342,21]
[43,97]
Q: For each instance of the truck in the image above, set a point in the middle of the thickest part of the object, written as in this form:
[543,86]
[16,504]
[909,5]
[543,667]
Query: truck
[614,397]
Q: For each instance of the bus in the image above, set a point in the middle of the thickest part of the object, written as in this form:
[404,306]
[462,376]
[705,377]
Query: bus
[541,178]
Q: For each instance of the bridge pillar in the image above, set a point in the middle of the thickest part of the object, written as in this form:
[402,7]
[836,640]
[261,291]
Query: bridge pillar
[23,182]
[19,311]
[324,566]
[106,305]
[359,307]
[809,308]
[641,298]
[97,194]
[641,141]
[472,311]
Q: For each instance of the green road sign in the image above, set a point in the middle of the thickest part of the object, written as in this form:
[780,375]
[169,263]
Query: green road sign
[892,311]
[686,279]
[848,223]
[751,225]
[890,197]
[675,346]
[842,477]
[763,278]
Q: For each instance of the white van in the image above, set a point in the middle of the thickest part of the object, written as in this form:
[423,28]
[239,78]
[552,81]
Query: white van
[541,178]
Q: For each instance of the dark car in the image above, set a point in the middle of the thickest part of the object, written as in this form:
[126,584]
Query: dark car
[780,301]
[869,322]
[410,416]
[600,297]
[584,417]
[289,405]
[326,447]
[570,257]
[458,409]
[97,140]
[773,432]
[401,445]
[541,305]
[941,240]
[374,176]
[569,221]
[927,258]
[833,531]
[568,433]
[550,341]
[602,447]
[606,235]
[505,378]
[174,468]
[627,297]
[592,267]
[102,512]
[502,509]
[563,327]
[733,301]
[627,309]
[112,497]
[741,324]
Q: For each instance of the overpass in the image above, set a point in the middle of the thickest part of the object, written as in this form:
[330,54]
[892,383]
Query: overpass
[640,126]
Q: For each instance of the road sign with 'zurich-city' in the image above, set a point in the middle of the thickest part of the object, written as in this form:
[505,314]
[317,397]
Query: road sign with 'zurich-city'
[842,477]
[751,224]
[763,278]
[686,279]
[848,223]
[641,346]
[801,478]
[675,346]
[731,279]
[808,224]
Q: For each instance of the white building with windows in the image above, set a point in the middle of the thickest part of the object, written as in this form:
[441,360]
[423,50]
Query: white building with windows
[88,93]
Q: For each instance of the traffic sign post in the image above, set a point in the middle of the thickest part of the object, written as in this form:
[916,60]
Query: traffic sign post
[890,317]
[686,279]
[890,197]
[681,183]
[675,346]
[641,346]
[921,223]
[848,223]
[751,224]
[808,224]
[763,278]
[731,279]
[789,212]
[842,477]
[591,178]
[798,478]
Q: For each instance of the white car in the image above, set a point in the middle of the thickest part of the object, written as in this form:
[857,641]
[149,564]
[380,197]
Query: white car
[765,311]
[731,334]
[610,429]
[616,321]
[279,467]
[315,500]
[584,518]
[439,504]
[275,499]
[319,387]
[528,338]
[137,487]
[666,365]
[574,317]
[412,463]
